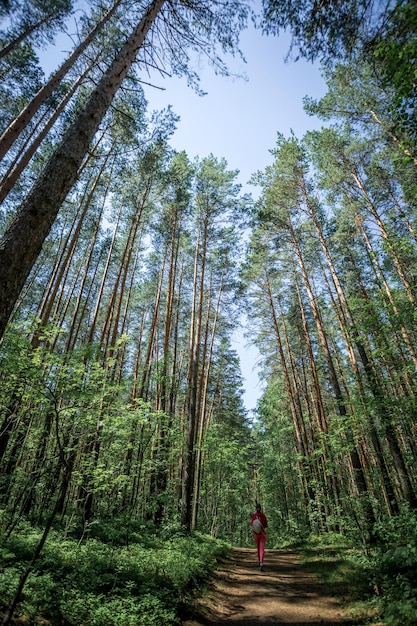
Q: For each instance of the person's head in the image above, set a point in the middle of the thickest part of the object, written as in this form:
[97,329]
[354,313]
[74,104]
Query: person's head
[258,508]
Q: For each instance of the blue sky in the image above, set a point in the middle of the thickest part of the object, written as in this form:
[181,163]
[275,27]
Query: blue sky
[239,120]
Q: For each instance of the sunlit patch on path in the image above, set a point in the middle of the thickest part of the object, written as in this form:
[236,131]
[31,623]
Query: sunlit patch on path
[284,593]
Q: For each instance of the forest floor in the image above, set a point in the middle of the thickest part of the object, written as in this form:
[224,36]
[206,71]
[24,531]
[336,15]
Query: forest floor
[284,593]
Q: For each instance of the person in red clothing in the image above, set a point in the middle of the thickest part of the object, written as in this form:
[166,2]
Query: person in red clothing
[259,525]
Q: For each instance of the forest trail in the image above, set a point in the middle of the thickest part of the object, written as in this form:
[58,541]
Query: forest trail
[284,593]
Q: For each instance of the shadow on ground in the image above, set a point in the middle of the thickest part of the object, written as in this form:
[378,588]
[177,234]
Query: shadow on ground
[285,593]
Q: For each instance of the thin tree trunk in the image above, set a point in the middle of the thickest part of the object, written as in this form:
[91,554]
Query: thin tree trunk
[386,288]
[188,467]
[80,311]
[26,115]
[67,255]
[17,167]
[397,262]
[358,472]
[302,443]
[118,290]
[12,45]
[401,474]
[205,376]
[147,365]
[165,391]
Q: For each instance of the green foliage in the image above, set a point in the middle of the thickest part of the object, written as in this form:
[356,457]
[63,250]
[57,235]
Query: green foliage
[102,610]
[395,568]
[287,514]
[380,584]
[101,584]
[325,30]
[397,52]
[340,564]
[226,498]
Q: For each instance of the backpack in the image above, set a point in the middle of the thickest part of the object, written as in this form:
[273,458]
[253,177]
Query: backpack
[257,525]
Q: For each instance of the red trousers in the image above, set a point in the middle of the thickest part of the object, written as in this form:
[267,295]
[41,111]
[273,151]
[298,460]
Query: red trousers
[260,540]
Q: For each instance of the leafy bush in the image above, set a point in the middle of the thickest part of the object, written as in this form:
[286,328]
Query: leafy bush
[395,568]
[383,582]
[101,584]
[104,610]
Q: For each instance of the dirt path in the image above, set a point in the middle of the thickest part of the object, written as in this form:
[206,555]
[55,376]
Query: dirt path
[284,593]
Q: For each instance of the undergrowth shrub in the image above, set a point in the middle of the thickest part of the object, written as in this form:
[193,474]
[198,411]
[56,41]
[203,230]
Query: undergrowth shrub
[113,610]
[381,581]
[106,584]
[395,568]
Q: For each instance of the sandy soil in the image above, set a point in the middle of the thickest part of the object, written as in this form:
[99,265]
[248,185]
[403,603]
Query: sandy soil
[284,593]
